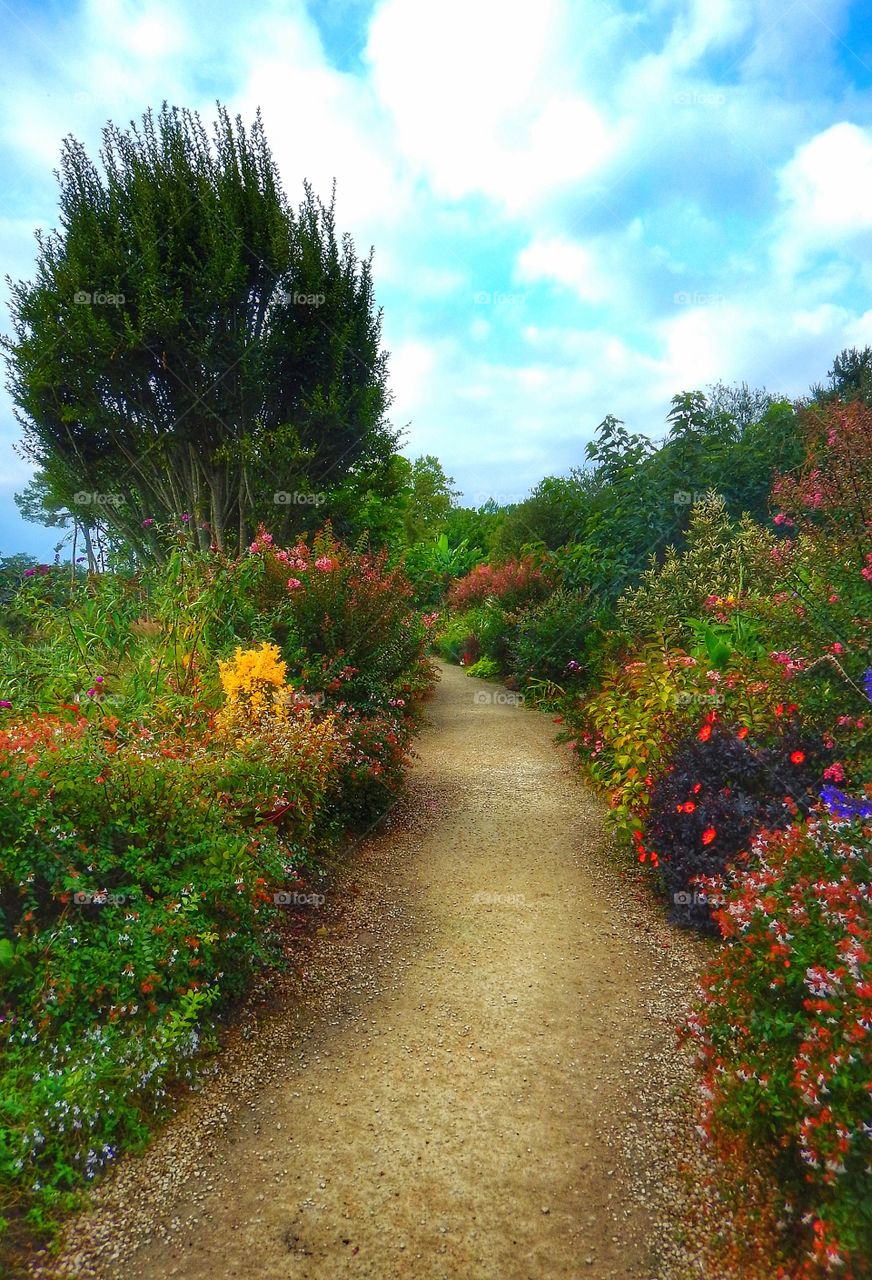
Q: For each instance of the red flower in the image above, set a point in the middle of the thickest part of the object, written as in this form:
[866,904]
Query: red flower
[708,835]
[797,757]
[697,787]
[743,732]
[705,733]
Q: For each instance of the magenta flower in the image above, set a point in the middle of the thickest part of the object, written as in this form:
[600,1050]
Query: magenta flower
[294,583]
[7,706]
[185,517]
[146,524]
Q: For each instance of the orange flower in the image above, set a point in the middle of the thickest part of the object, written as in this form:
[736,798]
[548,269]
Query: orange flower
[708,835]
[743,732]
[797,757]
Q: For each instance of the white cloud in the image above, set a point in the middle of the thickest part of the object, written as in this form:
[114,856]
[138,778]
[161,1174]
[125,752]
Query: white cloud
[566,263]
[826,189]
[481,98]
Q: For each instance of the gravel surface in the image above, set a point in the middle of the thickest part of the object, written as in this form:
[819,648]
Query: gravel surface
[470,1069]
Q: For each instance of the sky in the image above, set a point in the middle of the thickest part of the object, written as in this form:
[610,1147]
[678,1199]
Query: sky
[577,207]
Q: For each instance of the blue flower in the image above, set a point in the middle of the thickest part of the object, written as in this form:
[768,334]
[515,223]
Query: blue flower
[845,806]
[867,682]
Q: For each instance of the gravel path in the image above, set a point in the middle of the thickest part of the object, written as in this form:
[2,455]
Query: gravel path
[470,1070]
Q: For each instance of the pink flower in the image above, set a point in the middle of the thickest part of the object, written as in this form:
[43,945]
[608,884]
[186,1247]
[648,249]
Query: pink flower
[834,772]
[294,583]
[836,647]
[324,563]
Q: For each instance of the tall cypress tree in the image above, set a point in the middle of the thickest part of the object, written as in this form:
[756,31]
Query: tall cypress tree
[191,345]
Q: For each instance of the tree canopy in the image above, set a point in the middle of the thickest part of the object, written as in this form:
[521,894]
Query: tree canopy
[191,352]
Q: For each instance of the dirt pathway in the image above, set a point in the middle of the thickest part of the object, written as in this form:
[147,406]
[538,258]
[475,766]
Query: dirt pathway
[470,1076]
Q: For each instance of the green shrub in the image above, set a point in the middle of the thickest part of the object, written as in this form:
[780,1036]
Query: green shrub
[484,669]
[562,639]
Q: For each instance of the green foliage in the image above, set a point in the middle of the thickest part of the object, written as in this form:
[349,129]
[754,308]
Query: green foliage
[432,566]
[719,559]
[485,669]
[196,374]
[561,638]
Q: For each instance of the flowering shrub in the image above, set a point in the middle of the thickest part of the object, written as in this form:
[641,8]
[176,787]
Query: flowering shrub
[129,903]
[176,747]
[561,638]
[718,791]
[373,767]
[819,618]
[719,557]
[352,617]
[512,583]
[783,1031]
[625,734]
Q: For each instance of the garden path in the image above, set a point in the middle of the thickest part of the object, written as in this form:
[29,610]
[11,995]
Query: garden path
[466,1073]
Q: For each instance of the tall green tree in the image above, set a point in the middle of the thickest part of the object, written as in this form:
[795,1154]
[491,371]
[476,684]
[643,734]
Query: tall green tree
[850,377]
[193,347]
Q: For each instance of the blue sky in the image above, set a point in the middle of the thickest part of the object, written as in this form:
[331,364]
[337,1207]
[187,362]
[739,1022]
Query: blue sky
[578,207]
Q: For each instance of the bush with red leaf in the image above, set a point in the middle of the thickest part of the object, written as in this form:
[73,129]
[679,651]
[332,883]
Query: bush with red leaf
[718,793]
[513,583]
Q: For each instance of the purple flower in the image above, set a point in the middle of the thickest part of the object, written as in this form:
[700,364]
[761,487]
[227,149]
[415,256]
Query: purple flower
[845,806]
[28,573]
[7,706]
[91,693]
[99,680]
[146,524]
[185,517]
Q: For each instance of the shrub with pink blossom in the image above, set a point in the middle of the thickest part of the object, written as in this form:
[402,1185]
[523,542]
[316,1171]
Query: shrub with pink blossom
[784,1028]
